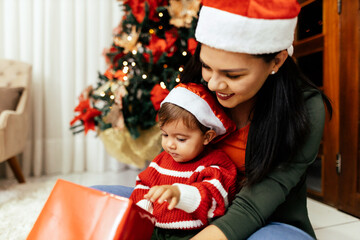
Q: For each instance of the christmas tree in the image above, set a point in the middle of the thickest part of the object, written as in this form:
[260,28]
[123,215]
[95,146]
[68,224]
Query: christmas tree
[151,45]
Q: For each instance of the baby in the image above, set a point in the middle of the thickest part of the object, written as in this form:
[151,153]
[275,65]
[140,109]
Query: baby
[189,183]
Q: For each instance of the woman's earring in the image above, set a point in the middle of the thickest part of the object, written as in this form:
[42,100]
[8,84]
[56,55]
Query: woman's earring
[273,72]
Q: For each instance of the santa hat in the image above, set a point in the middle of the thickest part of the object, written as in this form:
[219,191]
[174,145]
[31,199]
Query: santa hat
[196,99]
[248,26]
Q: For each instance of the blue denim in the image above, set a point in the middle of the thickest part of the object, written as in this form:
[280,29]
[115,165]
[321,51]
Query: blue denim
[278,231]
[272,231]
[119,190]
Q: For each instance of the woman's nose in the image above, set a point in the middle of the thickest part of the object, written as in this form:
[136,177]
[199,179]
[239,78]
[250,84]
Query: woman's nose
[216,83]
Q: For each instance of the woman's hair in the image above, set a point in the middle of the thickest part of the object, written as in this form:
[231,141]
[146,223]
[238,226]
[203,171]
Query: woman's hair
[169,112]
[279,119]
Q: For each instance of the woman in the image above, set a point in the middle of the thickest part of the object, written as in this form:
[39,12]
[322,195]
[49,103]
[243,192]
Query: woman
[243,57]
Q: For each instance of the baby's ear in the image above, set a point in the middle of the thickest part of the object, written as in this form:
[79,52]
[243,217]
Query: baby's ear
[209,136]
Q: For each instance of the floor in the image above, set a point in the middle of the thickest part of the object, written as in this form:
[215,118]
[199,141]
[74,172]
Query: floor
[331,224]
[328,222]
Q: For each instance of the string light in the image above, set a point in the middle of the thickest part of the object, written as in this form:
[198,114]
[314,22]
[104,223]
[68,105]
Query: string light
[129,38]
[177,79]
[165,66]
[181,69]
[134,52]
[112,97]
[133,64]
[184,53]
[161,14]
[151,31]
[144,76]
[102,94]
[162,85]
[125,78]
[160,27]
[126,70]
[125,63]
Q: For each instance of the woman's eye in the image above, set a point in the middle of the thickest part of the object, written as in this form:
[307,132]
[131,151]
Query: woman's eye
[203,65]
[233,76]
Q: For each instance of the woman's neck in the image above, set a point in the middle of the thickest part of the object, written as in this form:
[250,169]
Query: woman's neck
[241,114]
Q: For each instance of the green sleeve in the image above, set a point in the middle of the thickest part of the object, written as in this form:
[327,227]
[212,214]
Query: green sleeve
[253,206]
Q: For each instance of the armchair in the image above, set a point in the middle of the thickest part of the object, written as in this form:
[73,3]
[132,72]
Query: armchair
[15,81]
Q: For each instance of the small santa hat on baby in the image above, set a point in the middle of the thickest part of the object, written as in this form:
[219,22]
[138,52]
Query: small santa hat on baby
[196,99]
[248,26]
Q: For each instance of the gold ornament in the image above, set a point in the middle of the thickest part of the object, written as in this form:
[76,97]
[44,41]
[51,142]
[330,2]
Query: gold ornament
[128,41]
[115,117]
[182,12]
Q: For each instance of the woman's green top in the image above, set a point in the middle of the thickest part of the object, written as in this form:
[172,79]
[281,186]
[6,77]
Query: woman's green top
[281,195]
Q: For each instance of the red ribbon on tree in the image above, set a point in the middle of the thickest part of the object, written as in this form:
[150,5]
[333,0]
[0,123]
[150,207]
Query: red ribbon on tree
[157,95]
[87,115]
[192,44]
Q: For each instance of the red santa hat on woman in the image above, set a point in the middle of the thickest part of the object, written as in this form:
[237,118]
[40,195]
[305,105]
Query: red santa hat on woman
[197,100]
[248,26]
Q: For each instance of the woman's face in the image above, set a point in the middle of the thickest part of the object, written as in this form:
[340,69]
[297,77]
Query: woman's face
[235,77]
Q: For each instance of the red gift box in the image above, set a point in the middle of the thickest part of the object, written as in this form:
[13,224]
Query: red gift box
[76,212]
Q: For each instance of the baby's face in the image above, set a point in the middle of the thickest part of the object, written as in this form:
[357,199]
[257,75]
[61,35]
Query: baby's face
[181,142]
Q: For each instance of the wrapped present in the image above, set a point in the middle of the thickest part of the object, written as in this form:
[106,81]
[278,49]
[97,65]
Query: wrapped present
[76,212]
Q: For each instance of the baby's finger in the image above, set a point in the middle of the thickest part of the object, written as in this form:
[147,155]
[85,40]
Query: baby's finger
[172,203]
[157,193]
[150,192]
[166,195]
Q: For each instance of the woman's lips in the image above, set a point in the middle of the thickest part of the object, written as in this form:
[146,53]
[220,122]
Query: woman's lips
[223,96]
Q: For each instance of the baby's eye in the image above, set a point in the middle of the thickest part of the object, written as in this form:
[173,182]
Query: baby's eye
[181,139]
[164,135]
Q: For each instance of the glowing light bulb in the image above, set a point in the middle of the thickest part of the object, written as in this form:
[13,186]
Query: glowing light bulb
[181,69]
[177,79]
[184,53]
[134,52]
[125,63]
[125,78]
[102,94]
[126,70]
[112,97]
[129,38]
[161,14]
[162,85]
[133,64]
[144,76]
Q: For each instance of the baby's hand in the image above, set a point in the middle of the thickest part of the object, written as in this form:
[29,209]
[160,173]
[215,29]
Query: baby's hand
[169,193]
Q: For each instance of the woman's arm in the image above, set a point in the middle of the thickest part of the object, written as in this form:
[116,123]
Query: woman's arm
[254,205]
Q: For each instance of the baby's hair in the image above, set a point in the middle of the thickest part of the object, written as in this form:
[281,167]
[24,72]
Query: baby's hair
[170,112]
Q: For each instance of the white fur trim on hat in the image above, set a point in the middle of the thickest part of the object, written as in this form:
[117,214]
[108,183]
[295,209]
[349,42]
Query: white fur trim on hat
[197,106]
[235,33]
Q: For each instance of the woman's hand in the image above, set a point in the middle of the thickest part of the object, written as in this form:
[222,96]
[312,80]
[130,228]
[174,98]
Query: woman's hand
[168,193]
[209,233]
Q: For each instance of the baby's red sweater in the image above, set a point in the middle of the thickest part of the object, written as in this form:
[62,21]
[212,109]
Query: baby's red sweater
[207,185]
